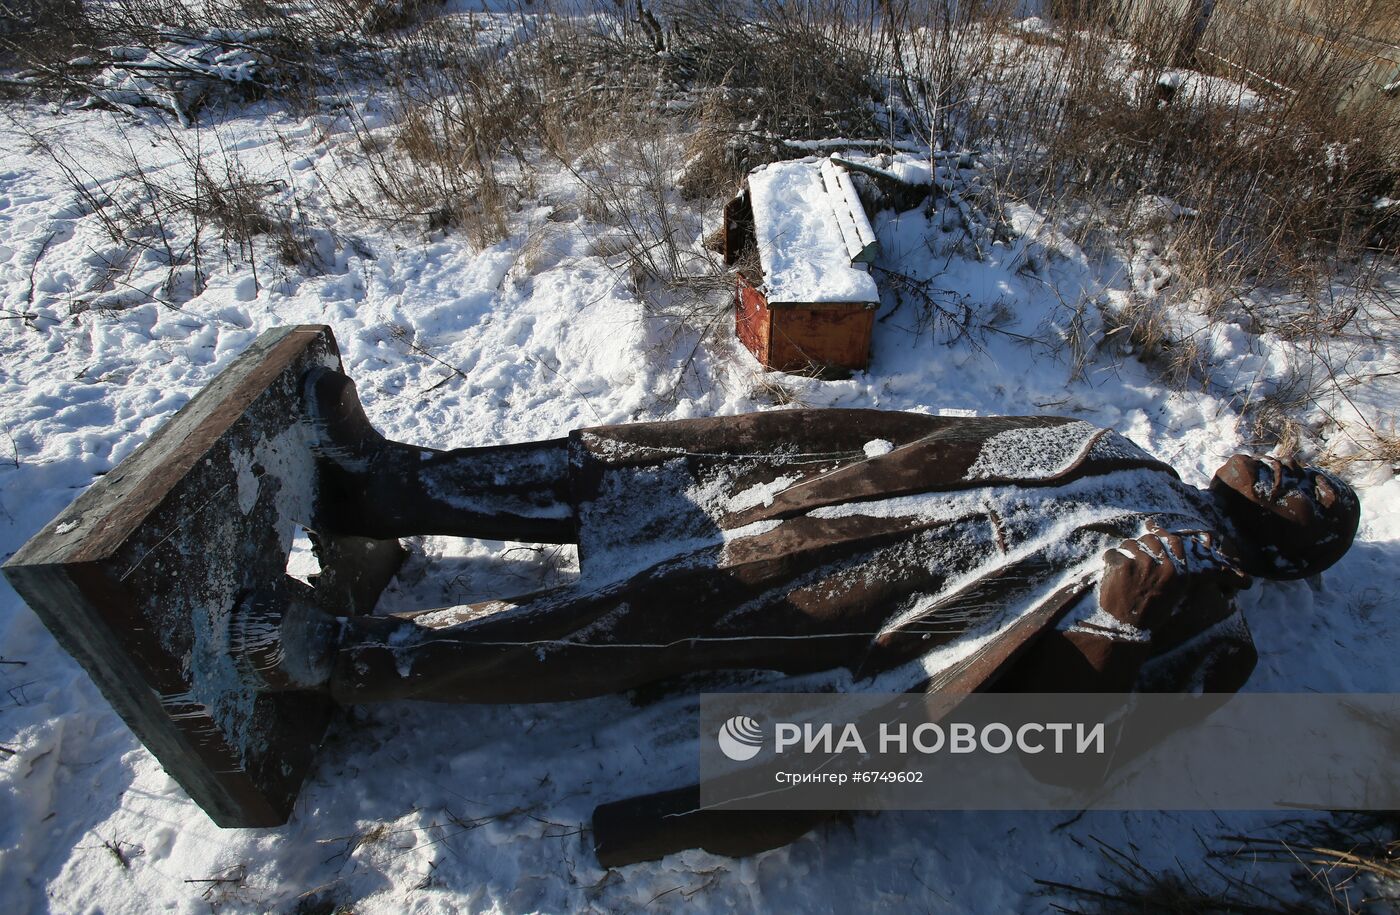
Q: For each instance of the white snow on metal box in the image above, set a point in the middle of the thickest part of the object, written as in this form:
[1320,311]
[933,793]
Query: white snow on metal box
[800,244]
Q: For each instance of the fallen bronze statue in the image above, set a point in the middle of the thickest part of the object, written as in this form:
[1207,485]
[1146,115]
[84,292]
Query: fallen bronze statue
[795,541]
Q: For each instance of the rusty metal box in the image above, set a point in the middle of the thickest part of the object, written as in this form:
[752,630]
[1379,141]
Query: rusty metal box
[794,338]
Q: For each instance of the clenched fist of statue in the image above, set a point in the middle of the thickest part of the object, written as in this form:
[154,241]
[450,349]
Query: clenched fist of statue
[1169,582]
[1158,593]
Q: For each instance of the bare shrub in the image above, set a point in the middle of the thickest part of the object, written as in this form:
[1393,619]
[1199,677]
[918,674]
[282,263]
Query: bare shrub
[38,29]
[193,219]
[715,162]
[1281,177]
[178,54]
[796,70]
[465,113]
[1281,183]
[952,71]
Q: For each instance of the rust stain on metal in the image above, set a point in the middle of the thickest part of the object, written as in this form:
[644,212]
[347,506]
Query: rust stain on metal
[790,338]
[821,335]
[752,319]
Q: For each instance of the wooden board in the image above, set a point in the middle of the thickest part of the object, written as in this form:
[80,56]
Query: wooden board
[752,320]
[835,334]
[795,337]
[738,238]
[136,579]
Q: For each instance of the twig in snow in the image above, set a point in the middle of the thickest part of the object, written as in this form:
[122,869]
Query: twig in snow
[1128,885]
[232,879]
[573,831]
[663,893]
[586,402]
[1063,824]
[400,333]
[115,847]
[28,317]
[34,265]
[234,875]
[933,313]
[22,698]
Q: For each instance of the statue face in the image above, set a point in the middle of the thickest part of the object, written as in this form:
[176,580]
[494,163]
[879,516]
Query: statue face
[1293,521]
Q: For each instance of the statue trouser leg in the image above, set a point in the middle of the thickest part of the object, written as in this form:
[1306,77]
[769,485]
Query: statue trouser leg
[539,650]
[377,488]
[562,646]
[576,644]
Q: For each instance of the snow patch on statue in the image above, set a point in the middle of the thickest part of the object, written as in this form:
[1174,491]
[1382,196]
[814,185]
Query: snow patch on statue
[274,480]
[245,479]
[445,483]
[759,494]
[1048,452]
[1039,453]
[644,516]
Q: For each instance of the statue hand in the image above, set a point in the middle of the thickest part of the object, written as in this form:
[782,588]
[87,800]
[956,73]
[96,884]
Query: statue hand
[1173,584]
[1168,587]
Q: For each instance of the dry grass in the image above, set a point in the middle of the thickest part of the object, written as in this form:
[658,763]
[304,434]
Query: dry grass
[1273,173]
[192,220]
[1280,184]
[1379,447]
[1345,864]
[656,113]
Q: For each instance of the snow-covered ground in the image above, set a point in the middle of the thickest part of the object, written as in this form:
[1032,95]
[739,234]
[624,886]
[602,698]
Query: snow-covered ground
[418,808]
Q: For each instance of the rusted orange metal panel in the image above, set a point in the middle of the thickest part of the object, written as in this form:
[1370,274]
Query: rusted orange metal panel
[791,338]
[815,336]
[752,319]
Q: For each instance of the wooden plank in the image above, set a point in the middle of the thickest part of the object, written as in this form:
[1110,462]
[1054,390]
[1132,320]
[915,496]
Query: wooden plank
[850,213]
[753,320]
[817,336]
[137,577]
[738,229]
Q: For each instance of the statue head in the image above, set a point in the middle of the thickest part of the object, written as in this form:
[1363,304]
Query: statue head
[1292,521]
